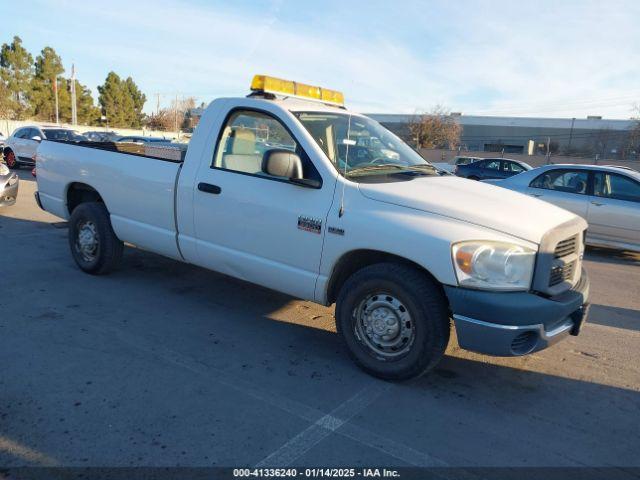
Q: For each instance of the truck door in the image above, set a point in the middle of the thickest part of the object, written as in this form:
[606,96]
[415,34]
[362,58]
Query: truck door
[254,226]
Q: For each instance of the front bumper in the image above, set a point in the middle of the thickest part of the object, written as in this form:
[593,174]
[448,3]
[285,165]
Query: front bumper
[9,190]
[516,323]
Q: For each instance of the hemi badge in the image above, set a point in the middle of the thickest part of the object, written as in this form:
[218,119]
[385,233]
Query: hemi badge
[310,224]
[336,230]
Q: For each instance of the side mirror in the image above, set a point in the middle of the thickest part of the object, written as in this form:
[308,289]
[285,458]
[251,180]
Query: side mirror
[282,163]
[36,138]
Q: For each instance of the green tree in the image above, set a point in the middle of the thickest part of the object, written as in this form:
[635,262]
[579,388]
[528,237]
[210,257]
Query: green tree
[16,71]
[5,100]
[48,67]
[88,113]
[121,101]
[139,100]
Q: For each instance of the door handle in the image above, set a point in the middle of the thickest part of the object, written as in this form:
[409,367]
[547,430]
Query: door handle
[597,204]
[208,188]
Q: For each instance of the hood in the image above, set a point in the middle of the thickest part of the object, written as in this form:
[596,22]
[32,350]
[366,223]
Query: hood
[474,202]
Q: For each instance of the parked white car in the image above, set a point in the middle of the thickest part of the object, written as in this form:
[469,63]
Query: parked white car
[278,191]
[608,197]
[20,148]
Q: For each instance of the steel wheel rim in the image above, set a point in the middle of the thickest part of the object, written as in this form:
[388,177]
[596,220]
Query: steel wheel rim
[383,324]
[87,242]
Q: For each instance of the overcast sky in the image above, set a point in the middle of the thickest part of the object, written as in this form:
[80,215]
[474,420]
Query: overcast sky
[544,58]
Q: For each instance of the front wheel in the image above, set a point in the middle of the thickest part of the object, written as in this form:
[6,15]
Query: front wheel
[394,320]
[11,161]
[94,245]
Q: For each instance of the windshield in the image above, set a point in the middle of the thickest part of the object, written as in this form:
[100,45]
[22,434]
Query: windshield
[63,134]
[359,146]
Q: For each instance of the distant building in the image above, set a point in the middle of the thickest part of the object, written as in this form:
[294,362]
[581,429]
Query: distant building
[592,135]
[580,136]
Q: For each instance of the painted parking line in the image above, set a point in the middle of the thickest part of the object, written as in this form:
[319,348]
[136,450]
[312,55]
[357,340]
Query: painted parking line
[323,427]
[322,424]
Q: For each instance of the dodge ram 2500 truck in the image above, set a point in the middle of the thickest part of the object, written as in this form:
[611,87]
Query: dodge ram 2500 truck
[287,189]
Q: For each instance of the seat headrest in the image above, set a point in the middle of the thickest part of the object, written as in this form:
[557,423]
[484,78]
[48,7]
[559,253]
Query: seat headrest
[244,142]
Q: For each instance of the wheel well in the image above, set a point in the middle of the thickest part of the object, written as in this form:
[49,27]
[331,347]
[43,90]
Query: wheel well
[353,261]
[78,193]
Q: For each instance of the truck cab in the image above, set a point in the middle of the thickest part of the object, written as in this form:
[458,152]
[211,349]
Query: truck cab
[288,189]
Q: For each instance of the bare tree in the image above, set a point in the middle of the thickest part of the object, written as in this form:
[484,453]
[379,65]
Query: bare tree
[174,117]
[435,129]
[632,148]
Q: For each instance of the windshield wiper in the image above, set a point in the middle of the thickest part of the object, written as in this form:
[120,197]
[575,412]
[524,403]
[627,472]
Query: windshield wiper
[373,168]
[416,170]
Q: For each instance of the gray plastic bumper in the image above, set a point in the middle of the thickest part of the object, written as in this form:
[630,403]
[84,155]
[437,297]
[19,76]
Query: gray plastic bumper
[518,323]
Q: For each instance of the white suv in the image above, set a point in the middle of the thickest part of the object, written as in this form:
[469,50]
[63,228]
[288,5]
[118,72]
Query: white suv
[20,148]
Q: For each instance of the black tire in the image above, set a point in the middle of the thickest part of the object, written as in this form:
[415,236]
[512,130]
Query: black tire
[424,300]
[107,251]
[473,177]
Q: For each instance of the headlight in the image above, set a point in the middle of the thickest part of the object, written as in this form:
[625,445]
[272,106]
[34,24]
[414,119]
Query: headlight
[493,265]
[4,170]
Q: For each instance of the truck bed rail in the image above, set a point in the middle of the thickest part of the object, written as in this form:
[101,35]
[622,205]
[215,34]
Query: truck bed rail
[167,153]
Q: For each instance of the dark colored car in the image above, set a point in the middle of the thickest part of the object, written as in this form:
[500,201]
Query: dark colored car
[141,139]
[102,136]
[491,168]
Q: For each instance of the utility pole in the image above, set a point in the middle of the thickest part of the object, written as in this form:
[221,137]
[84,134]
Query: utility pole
[573,120]
[548,150]
[175,114]
[157,103]
[55,92]
[74,110]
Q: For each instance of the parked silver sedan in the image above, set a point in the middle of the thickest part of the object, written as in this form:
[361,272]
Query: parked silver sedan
[608,197]
[8,186]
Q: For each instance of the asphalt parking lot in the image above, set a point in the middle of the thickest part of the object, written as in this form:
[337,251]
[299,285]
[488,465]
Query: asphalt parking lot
[164,364]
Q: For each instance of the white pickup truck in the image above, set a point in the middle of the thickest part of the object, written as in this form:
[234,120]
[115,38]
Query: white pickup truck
[282,189]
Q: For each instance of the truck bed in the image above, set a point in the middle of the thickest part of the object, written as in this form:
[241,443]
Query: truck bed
[137,186]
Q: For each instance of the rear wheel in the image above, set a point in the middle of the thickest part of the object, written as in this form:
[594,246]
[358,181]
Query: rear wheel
[10,159]
[473,177]
[94,246]
[394,320]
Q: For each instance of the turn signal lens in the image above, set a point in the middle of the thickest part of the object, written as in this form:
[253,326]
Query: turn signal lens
[493,265]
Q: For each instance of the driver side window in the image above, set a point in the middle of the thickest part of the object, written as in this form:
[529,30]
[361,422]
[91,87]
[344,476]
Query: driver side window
[246,137]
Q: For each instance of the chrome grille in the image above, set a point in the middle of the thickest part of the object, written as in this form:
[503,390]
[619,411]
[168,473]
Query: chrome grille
[554,254]
[566,247]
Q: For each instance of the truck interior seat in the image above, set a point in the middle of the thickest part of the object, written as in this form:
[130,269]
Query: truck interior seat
[243,156]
